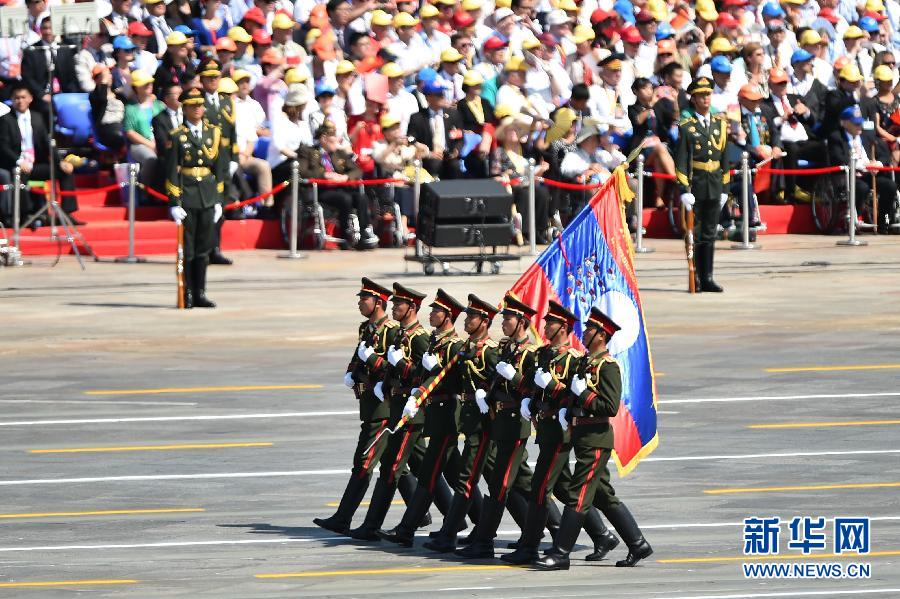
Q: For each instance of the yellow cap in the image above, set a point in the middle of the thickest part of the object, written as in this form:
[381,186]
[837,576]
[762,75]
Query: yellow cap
[239,34]
[568,6]
[429,11]
[447,2]
[294,76]
[853,32]
[883,73]
[282,21]
[473,77]
[139,78]
[851,73]
[515,63]
[530,43]
[344,67]
[707,10]
[404,19]
[388,120]
[875,6]
[659,10]
[721,45]
[176,38]
[471,4]
[451,55]
[152,1]
[794,2]
[381,18]
[392,69]
[502,110]
[503,4]
[312,35]
[583,33]
[240,75]
[810,37]
[227,86]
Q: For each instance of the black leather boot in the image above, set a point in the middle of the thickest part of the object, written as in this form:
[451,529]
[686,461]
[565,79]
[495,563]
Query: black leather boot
[216,257]
[527,552]
[443,495]
[569,529]
[406,484]
[604,540]
[625,525]
[445,541]
[404,533]
[475,506]
[706,280]
[379,505]
[353,496]
[199,283]
[482,545]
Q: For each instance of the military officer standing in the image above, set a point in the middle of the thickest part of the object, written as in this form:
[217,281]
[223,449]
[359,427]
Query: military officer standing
[702,174]
[195,170]
[367,367]
[441,416]
[595,393]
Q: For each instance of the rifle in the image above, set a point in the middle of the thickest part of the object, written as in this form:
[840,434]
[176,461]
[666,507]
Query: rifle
[875,216]
[689,229]
[179,267]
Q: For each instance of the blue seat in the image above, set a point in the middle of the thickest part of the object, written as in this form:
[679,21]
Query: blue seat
[73,117]
[261,149]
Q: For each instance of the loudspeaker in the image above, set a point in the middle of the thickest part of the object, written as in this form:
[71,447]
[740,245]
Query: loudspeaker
[471,199]
[463,234]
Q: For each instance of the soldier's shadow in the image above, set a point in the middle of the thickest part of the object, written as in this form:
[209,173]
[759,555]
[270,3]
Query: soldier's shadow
[293,532]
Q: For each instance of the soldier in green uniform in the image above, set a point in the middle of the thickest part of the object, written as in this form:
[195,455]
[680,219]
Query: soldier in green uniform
[702,174]
[475,367]
[194,171]
[367,367]
[509,432]
[219,112]
[594,394]
[554,366]
[400,379]
[441,409]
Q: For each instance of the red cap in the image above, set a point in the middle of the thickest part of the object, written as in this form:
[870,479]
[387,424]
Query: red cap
[631,36]
[730,3]
[778,76]
[600,15]
[138,28]
[261,38]
[547,39]
[878,16]
[828,14]
[645,16]
[462,19]
[225,44]
[255,15]
[494,43]
[727,20]
[666,47]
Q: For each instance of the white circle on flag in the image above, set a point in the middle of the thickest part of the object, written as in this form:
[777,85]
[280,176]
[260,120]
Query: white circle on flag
[624,313]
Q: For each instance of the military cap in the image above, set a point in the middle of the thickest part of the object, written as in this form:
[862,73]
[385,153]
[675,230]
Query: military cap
[372,289]
[191,97]
[601,321]
[443,301]
[701,85]
[480,307]
[408,295]
[558,312]
[209,67]
[612,62]
[512,305]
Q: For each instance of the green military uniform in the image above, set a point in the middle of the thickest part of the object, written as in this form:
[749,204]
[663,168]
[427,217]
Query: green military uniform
[441,425]
[702,170]
[475,368]
[594,396]
[194,170]
[364,373]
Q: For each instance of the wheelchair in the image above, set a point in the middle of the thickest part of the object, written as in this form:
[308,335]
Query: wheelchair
[316,228]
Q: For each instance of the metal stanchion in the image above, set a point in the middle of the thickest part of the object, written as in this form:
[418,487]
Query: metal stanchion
[531,225]
[745,206]
[132,202]
[17,200]
[295,212]
[851,190]
[639,210]
[417,189]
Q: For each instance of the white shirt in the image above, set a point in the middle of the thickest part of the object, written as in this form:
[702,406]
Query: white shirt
[24,120]
[411,57]
[403,105]
[287,135]
[196,130]
[248,117]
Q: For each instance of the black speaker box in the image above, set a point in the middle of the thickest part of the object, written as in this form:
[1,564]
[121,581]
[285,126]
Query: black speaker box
[470,199]
[464,234]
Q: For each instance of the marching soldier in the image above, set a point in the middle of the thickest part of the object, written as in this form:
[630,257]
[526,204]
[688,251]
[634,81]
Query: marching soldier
[367,367]
[441,416]
[403,357]
[595,392]
[509,432]
[477,362]
[195,170]
[703,174]
[554,366]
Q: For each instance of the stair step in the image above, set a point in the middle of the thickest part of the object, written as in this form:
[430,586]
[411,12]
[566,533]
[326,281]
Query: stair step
[92,214]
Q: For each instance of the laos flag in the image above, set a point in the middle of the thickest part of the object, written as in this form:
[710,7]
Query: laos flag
[591,264]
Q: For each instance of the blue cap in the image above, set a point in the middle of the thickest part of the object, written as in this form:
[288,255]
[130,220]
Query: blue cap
[720,64]
[852,114]
[427,75]
[664,31]
[121,42]
[626,10]
[434,87]
[185,30]
[772,9]
[868,24]
[801,55]
[323,87]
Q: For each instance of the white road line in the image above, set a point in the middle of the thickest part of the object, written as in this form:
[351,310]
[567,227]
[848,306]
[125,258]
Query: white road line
[178,418]
[777,398]
[753,456]
[114,403]
[791,594]
[467,589]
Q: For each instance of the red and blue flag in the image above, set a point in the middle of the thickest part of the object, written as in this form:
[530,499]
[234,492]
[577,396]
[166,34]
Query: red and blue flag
[591,264]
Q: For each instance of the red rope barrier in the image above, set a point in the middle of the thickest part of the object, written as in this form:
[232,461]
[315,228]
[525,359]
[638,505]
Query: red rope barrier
[156,195]
[258,198]
[577,186]
[364,182]
[77,192]
[888,169]
[802,171]
[665,176]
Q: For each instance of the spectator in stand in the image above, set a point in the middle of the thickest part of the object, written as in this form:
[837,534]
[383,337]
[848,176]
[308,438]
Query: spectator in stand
[756,135]
[882,106]
[647,120]
[491,67]
[451,72]
[837,100]
[210,27]
[806,86]
[723,98]
[138,130]
[143,58]
[282,30]
[329,112]
[409,49]
[270,88]
[158,25]
[250,126]
[395,154]
[579,62]
[107,110]
[90,55]
[123,55]
[435,40]
[243,56]
[36,70]
[440,129]
[364,131]
[400,103]
[607,99]
[349,93]
[290,132]
[477,117]
[225,50]
[175,66]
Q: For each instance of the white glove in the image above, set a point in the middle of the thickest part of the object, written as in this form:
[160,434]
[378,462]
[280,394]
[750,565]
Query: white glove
[410,409]
[379,390]
[429,361]
[178,214]
[526,413]
[723,199]
[348,379]
[562,419]
[364,351]
[687,200]
[578,385]
[394,355]
[232,168]
[479,399]
[541,378]
[217,212]
[505,370]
